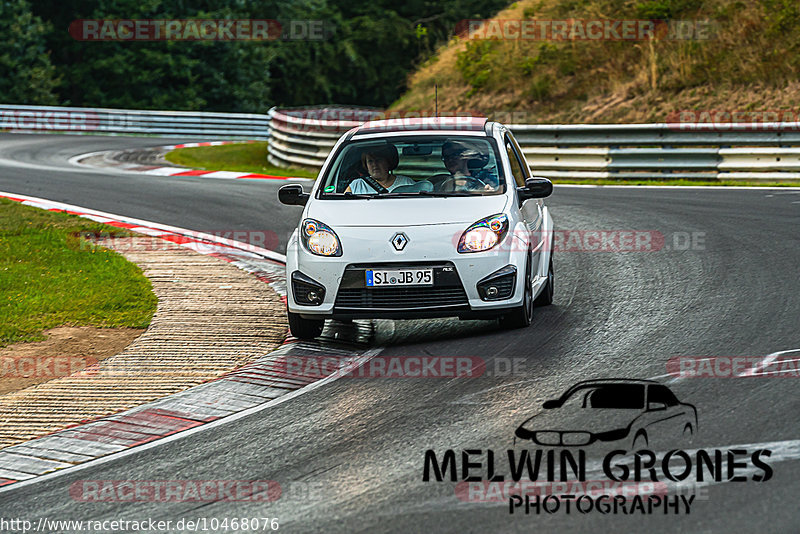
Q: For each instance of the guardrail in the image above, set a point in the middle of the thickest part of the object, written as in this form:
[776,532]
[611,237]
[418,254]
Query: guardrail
[188,124]
[303,137]
[692,151]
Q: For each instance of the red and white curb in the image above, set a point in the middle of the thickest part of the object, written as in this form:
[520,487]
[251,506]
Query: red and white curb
[157,170]
[249,389]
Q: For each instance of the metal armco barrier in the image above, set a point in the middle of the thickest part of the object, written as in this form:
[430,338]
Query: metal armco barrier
[744,151]
[758,151]
[303,137]
[207,125]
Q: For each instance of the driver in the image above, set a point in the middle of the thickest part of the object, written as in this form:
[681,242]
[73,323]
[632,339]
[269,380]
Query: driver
[464,163]
[379,162]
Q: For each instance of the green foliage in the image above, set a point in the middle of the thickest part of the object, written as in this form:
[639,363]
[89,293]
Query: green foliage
[366,58]
[666,9]
[784,17]
[476,63]
[189,75]
[26,74]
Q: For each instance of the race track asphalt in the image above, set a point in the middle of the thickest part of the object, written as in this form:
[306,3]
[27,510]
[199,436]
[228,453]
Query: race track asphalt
[350,455]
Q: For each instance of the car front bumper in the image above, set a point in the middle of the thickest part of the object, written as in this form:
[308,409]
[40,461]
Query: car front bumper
[456,276]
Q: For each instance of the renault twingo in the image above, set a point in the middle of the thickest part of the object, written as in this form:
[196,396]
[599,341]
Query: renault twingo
[423,218]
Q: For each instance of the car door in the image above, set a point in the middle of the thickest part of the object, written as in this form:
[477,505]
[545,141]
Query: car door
[666,417]
[530,209]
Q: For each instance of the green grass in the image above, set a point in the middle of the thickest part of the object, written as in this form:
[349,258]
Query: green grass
[51,276]
[239,157]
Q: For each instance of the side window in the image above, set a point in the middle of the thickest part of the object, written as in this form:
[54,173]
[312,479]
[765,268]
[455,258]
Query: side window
[516,166]
[662,394]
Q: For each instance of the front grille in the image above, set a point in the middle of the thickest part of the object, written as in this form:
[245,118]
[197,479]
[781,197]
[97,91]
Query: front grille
[302,286]
[400,297]
[503,281]
[554,438]
[504,285]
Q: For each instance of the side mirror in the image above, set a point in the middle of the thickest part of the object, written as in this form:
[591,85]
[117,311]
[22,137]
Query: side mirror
[535,187]
[656,406]
[549,405]
[292,195]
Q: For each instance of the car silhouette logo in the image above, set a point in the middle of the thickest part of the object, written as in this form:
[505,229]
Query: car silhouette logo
[638,413]
[399,241]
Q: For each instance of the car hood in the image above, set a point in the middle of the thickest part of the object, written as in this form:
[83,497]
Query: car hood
[581,420]
[395,212]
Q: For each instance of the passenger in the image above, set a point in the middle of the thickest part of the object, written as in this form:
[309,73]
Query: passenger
[464,163]
[379,162]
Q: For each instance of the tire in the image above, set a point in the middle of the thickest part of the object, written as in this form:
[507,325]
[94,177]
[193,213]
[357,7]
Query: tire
[304,328]
[545,298]
[521,316]
[688,433]
[641,436]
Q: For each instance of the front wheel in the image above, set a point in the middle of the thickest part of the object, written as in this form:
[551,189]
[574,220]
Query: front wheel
[521,316]
[304,328]
[640,440]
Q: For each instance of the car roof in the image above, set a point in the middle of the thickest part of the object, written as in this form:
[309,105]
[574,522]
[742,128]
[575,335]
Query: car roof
[601,381]
[423,125]
[611,381]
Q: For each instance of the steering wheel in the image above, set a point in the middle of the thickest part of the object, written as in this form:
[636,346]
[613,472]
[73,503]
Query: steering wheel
[472,183]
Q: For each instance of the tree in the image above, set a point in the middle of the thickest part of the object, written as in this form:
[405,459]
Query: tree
[26,74]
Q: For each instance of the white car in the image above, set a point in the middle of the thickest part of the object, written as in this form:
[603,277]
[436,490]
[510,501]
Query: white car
[424,218]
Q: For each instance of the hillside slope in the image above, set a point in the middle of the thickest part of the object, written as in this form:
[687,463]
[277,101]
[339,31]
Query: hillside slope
[750,62]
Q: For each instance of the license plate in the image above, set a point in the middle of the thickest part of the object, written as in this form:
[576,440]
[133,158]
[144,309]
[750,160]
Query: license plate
[404,277]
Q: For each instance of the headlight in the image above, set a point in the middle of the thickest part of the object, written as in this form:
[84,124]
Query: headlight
[319,239]
[484,234]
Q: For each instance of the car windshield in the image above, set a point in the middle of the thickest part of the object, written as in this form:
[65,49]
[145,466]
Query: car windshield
[414,166]
[614,396]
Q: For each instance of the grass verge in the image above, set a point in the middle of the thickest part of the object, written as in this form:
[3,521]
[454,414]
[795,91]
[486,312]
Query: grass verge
[51,276]
[238,157]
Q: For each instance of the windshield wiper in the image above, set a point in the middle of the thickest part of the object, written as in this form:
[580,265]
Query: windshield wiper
[424,194]
[442,194]
[352,195]
[405,194]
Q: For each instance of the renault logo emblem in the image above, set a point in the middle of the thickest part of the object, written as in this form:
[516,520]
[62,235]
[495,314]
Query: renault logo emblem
[399,241]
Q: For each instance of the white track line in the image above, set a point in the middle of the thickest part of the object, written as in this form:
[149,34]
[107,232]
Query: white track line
[768,359]
[365,357]
[47,204]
